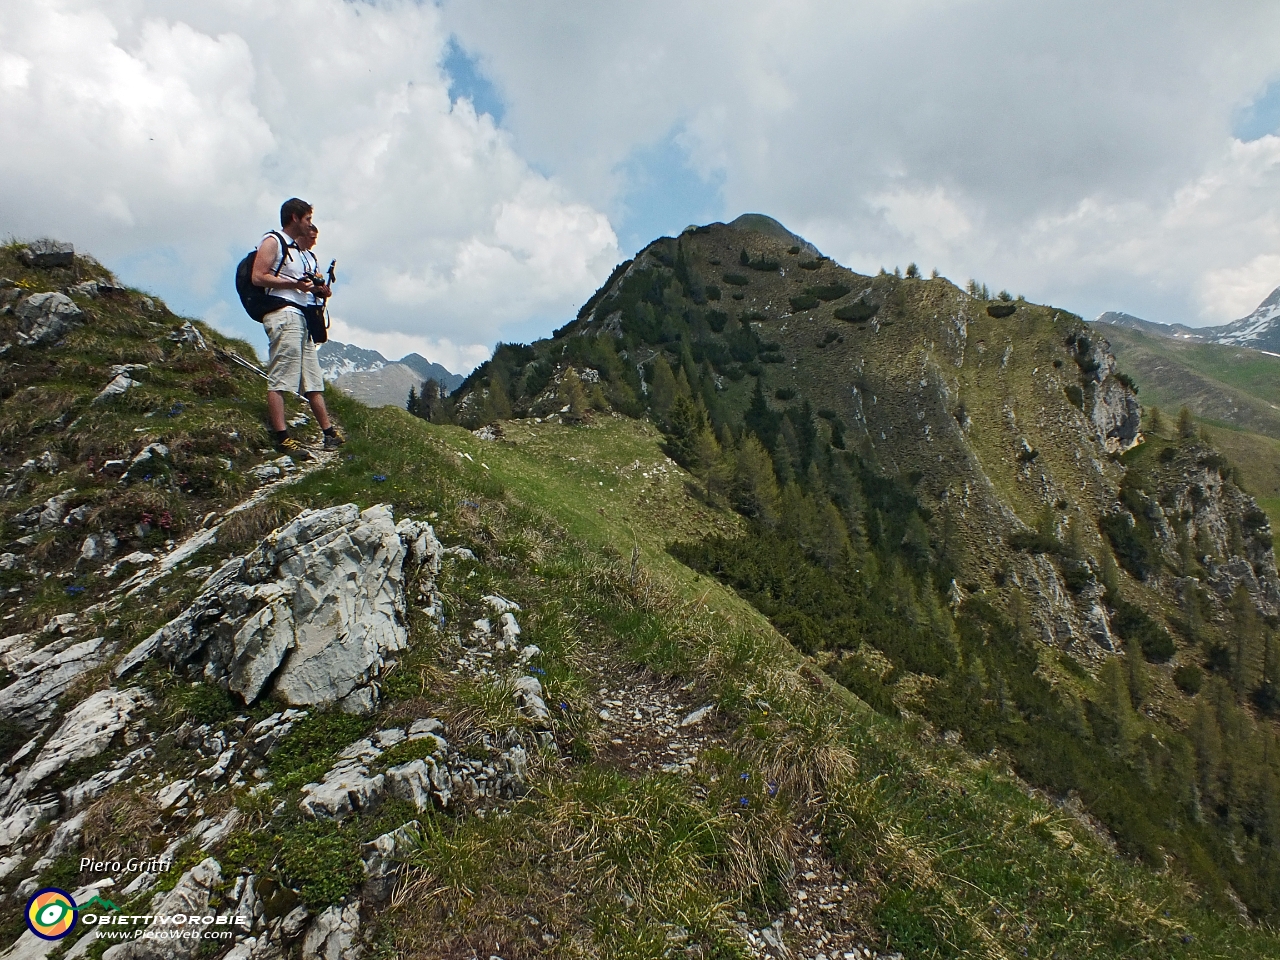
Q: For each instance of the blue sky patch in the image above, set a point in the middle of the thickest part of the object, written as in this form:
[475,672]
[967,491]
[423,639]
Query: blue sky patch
[1260,117]
[664,194]
[466,80]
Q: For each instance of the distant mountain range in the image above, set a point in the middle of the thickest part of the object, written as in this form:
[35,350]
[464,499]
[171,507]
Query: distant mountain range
[1260,330]
[370,377]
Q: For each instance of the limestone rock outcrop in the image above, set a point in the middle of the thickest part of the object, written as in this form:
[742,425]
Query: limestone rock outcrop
[189,898]
[46,254]
[45,317]
[312,615]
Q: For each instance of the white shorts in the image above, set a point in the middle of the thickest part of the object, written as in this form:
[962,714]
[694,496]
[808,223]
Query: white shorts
[293,365]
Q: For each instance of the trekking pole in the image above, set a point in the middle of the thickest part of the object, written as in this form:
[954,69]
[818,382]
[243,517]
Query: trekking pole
[235,358]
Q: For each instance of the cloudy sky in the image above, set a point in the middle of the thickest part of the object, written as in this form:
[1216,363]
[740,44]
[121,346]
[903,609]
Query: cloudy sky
[479,167]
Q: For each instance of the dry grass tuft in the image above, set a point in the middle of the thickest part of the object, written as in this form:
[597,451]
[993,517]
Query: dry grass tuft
[250,526]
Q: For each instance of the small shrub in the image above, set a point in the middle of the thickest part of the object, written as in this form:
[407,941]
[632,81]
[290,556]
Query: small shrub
[765,265]
[1077,575]
[716,319]
[1130,547]
[913,272]
[1001,310]
[1004,295]
[735,279]
[1188,678]
[858,312]
[793,249]
[1030,541]
[1074,394]
[202,703]
[828,291]
[739,296]
[785,393]
[1137,626]
[713,292]
[810,264]
[1127,380]
[805,301]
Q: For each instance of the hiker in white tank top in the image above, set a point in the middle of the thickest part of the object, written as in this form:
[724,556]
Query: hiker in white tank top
[298,262]
[293,366]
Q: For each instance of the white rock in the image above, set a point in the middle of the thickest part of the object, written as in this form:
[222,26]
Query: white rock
[22,822]
[91,549]
[33,697]
[85,732]
[500,605]
[46,253]
[190,897]
[332,935]
[697,716]
[347,788]
[119,384]
[382,857]
[315,611]
[528,696]
[170,795]
[420,728]
[73,798]
[510,629]
[45,317]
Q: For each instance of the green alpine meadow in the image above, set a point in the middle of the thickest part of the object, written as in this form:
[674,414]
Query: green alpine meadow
[764,610]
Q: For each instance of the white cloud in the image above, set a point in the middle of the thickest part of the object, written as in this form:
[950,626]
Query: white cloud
[1236,291]
[163,136]
[1080,155]
[1043,147]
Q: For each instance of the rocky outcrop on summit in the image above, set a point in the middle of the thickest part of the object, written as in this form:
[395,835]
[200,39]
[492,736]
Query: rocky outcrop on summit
[312,615]
[45,317]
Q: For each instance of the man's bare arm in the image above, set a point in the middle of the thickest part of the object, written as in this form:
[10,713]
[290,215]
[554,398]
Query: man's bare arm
[264,265]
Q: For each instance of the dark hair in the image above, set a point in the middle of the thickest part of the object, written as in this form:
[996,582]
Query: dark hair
[293,209]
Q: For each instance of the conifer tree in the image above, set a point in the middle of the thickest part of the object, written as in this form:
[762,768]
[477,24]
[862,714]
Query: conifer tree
[412,403]
[684,424]
[1155,423]
[573,396]
[662,388]
[831,545]
[710,464]
[1117,702]
[755,483]
[1138,677]
[1247,643]
[497,404]
[1186,425]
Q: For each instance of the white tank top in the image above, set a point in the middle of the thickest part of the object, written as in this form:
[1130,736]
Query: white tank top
[297,263]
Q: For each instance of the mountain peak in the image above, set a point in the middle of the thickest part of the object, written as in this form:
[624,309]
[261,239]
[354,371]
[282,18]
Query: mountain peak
[760,223]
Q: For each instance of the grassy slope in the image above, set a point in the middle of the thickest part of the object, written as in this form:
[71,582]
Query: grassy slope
[955,856]
[1232,390]
[948,856]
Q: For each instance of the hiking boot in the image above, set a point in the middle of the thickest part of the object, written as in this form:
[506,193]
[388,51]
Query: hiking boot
[294,449]
[335,441]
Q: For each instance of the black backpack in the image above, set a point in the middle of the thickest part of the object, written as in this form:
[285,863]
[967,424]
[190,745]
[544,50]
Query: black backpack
[256,301]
